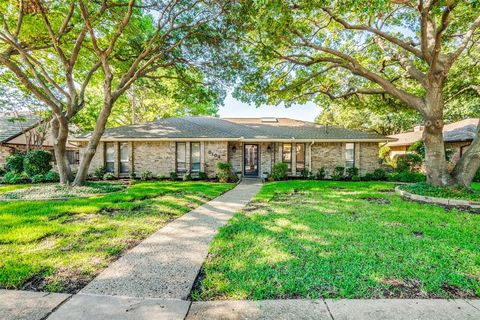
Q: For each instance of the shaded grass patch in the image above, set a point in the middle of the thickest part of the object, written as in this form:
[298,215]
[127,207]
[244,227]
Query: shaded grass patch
[327,241]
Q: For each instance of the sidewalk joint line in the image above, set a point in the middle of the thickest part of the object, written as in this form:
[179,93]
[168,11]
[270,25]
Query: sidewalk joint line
[328,308]
[468,302]
[57,307]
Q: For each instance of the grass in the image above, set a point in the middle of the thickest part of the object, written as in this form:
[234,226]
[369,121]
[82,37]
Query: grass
[311,239]
[425,189]
[59,246]
[8,188]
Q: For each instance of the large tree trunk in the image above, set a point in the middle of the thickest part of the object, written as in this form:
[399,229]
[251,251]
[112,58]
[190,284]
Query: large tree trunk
[435,160]
[469,163]
[93,143]
[60,135]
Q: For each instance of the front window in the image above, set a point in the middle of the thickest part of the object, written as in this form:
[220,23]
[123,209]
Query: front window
[287,155]
[124,162]
[181,157]
[300,152]
[195,156]
[109,157]
[73,157]
[350,155]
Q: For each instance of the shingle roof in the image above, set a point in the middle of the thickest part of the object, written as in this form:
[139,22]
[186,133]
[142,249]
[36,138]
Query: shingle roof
[11,126]
[232,129]
[464,130]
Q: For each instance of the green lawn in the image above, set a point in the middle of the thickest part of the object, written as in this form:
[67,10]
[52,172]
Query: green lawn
[310,239]
[60,246]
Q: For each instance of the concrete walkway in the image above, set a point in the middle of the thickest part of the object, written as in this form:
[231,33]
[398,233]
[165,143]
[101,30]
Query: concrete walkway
[380,309]
[154,279]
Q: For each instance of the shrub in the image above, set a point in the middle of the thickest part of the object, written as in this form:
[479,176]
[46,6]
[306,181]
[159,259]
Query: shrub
[379,175]
[356,178]
[187,177]
[350,172]
[133,175]
[2,171]
[202,175]
[109,176]
[225,172]
[321,173]
[406,176]
[146,175]
[99,172]
[338,173]
[39,178]
[12,177]
[279,171]
[305,173]
[52,176]
[37,162]
[419,148]
[14,162]
[409,162]
[173,175]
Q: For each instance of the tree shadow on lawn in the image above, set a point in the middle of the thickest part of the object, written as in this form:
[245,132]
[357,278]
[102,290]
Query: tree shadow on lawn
[346,249]
[60,246]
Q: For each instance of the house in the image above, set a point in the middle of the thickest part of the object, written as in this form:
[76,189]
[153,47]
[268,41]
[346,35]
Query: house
[251,145]
[21,132]
[457,137]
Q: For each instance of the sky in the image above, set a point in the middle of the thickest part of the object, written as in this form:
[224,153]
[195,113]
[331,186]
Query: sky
[237,109]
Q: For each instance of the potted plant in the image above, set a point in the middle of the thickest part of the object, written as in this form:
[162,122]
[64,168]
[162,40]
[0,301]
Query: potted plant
[265,175]
[239,175]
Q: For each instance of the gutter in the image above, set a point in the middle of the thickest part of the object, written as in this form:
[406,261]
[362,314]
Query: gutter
[236,139]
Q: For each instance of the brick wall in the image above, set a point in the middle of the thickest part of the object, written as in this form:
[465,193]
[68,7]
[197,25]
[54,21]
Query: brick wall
[367,154]
[215,152]
[159,157]
[328,156]
[4,153]
[236,158]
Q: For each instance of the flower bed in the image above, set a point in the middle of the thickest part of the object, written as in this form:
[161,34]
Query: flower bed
[60,192]
[451,197]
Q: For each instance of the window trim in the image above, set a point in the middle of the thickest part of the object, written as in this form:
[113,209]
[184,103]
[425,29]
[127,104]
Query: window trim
[304,156]
[289,163]
[176,157]
[199,157]
[121,162]
[106,162]
[354,154]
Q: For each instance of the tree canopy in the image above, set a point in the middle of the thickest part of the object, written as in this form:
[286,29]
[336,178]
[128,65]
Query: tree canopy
[422,54]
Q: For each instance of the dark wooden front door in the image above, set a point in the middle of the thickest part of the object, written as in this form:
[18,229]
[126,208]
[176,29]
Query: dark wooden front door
[250,160]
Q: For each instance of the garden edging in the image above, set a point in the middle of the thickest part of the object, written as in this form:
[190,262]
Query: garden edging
[441,201]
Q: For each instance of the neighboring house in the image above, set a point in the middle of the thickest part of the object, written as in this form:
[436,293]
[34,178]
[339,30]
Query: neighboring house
[252,146]
[18,133]
[457,136]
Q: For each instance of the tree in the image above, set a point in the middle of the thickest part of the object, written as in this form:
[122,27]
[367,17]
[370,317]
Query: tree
[56,49]
[151,99]
[319,50]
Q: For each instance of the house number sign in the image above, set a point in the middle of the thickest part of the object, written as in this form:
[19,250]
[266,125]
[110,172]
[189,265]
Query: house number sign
[214,154]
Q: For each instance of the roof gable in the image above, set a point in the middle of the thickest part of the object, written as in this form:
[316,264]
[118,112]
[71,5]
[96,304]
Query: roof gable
[11,126]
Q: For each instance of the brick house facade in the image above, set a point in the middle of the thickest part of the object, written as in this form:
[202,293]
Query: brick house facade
[252,146]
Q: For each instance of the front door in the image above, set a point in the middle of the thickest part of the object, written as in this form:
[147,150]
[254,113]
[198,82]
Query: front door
[250,160]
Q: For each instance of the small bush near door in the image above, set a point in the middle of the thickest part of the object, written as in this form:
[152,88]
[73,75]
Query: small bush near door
[280,171]
[225,172]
